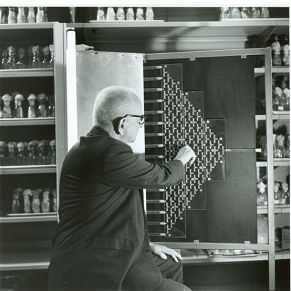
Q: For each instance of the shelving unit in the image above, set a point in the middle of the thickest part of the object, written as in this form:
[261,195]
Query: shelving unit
[33,169]
[34,253]
[14,73]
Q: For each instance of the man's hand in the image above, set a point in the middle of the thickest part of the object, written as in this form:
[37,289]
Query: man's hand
[186,155]
[163,251]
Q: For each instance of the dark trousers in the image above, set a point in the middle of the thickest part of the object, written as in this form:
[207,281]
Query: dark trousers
[172,273]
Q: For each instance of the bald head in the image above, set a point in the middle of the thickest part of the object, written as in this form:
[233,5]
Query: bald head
[113,102]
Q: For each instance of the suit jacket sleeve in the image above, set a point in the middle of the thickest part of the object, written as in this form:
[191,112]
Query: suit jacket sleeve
[123,169]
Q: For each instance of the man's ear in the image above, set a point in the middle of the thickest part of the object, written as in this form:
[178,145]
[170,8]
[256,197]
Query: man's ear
[121,126]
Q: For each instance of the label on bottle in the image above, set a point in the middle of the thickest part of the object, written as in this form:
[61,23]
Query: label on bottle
[280,107]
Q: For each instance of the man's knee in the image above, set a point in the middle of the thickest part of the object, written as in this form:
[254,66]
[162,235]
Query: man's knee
[170,285]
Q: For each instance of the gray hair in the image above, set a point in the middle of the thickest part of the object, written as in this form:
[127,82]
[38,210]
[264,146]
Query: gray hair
[113,102]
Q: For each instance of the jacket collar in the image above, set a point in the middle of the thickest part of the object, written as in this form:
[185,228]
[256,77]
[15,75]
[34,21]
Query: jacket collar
[97,131]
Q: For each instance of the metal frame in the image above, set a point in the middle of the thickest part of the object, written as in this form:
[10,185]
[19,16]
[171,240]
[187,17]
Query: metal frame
[60,100]
[270,247]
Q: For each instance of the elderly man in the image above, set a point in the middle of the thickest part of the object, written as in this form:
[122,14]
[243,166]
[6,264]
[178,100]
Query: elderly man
[101,241]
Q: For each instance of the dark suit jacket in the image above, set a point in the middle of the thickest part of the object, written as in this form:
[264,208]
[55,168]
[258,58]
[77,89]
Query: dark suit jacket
[101,241]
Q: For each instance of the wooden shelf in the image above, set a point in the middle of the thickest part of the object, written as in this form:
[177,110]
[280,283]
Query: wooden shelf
[277,209]
[25,259]
[281,69]
[282,116]
[276,163]
[198,259]
[27,121]
[27,218]
[14,73]
[33,169]
[255,24]
[20,26]
[180,36]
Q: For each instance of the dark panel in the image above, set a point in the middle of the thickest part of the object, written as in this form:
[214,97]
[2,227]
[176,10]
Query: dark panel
[198,202]
[228,84]
[231,213]
[197,100]
[229,93]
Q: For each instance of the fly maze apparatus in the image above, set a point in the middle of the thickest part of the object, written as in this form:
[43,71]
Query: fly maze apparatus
[173,122]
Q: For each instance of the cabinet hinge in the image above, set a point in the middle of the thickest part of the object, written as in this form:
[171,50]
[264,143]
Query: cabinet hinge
[247,242]
[196,241]
[192,59]
[243,56]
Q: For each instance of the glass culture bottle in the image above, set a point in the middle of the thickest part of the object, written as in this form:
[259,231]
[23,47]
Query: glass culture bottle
[149,13]
[12,15]
[11,62]
[21,57]
[262,199]
[4,59]
[277,193]
[46,57]
[26,200]
[54,194]
[280,149]
[120,13]
[20,154]
[100,13]
[110,14]
[21,18]
[51,62]
[40,15]
[129,13]
[284,194]
[36,201]
[45,204]
[72,14]
[15,201]
[3,17]
[31,15]
[139,14]
[18,99]
[3,153]
[35,61]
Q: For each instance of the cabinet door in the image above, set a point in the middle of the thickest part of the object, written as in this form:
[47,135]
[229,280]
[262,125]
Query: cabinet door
[96,71]
[207,100]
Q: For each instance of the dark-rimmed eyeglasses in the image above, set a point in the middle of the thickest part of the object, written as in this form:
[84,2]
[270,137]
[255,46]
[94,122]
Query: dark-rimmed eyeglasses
[142,118]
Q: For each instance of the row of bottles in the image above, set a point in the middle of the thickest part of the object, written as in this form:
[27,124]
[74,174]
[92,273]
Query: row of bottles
[34,57]
[11,15]
[281,193]
[120,13]
[35,152]
[230,252]
[281,146]
[280,49]
[34,201]
[244,12]
[281,99]
[16,106]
